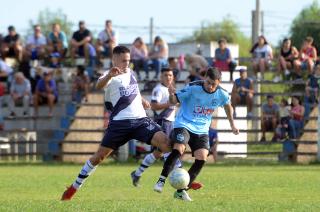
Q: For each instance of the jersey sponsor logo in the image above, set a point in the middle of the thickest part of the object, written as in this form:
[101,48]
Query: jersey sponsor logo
[180,137]
[129,90]
[202,111]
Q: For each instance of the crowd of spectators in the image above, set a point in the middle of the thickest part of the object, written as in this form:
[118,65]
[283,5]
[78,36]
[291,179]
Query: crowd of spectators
[26,85]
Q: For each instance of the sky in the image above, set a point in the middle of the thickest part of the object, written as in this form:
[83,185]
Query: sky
[173,19]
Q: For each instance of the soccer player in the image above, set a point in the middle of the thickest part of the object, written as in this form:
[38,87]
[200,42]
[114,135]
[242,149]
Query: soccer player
[197,101]
[128,119]
[164,113]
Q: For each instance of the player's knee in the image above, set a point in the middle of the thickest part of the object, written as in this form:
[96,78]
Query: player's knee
[180,147]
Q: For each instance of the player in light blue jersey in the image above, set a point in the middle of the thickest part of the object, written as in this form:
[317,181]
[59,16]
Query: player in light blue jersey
[197,101]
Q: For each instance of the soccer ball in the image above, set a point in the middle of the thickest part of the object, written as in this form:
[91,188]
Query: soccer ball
[179,178]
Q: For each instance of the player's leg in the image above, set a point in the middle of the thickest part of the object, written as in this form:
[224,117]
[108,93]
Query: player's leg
[179,137]
[88,168]
[148,160]
[200,148]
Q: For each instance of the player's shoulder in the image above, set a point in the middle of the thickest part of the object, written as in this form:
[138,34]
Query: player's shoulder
[222,90]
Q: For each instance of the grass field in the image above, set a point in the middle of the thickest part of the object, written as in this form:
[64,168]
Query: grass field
[227,188]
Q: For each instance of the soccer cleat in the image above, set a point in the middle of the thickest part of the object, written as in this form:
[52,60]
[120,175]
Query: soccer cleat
[135,179]
[182,195]
[195,185]
[68,194]
[158,187]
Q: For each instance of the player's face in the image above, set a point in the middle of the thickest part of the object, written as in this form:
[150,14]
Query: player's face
[211,85]
[121,61]
[167,78]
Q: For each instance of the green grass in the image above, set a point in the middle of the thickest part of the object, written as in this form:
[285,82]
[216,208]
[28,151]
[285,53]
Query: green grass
[227,188]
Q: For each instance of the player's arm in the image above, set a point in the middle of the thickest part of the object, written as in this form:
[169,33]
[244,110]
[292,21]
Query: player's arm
[229,111]
[158,106]
[145,103]
[172,95]
[104,79]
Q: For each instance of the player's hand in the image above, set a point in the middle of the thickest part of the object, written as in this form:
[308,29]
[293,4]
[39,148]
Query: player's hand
[146,104]
[171,89]
[114,71]
[235,130]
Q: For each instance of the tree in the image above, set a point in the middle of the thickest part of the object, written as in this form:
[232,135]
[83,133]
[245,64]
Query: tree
[47,17]
[228,29]
[307,23]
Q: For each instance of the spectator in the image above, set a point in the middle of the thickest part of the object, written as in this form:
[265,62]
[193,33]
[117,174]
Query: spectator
[196,65]
[284,114]
[296,121]
[36,44]
[57,41]
[80,85]
[173,64]
[20,93]
[270,118]
[80,42]
[5,72]
[262,55]
[288,54]
[11,45]
[307,57]
[46,92]
[242,93]
[139,57]
[223,59]
[106,41]
[159,54]
[55,60]
[312,91]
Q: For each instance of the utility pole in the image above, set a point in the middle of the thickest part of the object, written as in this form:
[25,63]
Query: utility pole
[256,22]
[151,31]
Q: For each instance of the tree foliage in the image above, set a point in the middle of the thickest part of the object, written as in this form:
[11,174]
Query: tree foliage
[47,17]
[307,23]
[228,29]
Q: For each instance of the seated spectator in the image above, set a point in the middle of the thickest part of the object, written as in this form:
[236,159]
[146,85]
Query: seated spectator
[269,118]
[55,60]
[5,72]
[106,41]
[139,57]
[288,54]
[11,45]
[159,55]
[242,93]
[284,115]
[20,94]
[57,41]
[173,64]
[296,121]
[46,92]
[196,64]
[36,44]
[307,57]
[80,85]
[261,55]
[223,59]
[80,42]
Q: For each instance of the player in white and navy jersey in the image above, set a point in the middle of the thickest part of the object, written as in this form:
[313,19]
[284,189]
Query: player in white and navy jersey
[197,105]
[164,115]
[128,119]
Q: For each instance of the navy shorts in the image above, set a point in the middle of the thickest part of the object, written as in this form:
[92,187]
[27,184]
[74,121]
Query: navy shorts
[120,132]
[195,141]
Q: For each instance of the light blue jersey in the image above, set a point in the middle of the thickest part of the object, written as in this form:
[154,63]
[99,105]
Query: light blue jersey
[197,106]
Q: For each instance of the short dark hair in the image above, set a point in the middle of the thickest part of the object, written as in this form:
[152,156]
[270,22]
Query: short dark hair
[222,40]
[213,73]
[108,21]
[120,50]
[11,28]
[171,59]
[166,70]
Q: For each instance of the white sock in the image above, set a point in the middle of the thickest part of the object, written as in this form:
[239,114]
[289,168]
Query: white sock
[178,162]
[147,161]
[86,170]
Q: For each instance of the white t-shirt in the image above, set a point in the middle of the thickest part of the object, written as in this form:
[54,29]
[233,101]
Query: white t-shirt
[103,36]
[262,52]
[37,41]
[123,93]
[160,94]
[5,68]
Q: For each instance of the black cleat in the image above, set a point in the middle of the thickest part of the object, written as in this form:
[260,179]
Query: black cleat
[135,179]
